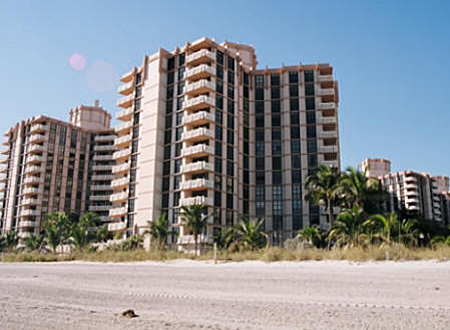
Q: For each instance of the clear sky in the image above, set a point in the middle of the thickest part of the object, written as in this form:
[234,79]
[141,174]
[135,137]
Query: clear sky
[391,58]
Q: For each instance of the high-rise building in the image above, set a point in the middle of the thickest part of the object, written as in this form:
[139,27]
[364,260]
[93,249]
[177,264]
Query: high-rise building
[50,165]
[203,125]
[410,191]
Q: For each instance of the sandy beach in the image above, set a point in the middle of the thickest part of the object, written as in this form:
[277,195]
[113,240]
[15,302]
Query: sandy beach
[186,294]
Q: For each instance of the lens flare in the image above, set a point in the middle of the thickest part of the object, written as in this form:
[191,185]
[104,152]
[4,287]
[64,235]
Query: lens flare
[77,61]
[101,77]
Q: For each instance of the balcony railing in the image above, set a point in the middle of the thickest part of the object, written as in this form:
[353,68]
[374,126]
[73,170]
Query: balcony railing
[125,114]
[117,226]
[125,101]
[104,138]
[124,128]
[35,159]
[325,91]
[197,200]
[119,197]
[38,138]
[197,184]
[34,169]
[197,167]
[126,88]
[199,87]
[118,212]
[102,157]
[104,148]
[200,56]
[122,141]
[38,128]
[201,149]
[198,134]
[102,167]
[100,187]
[99,208]
[122,154]
[36,148]
[24,234]
[201,71]
[27,224]
[99,197]
[325,78]
[122,168]
[199,102]
[103,177]
[33,180]
[30,213]
[327,134]
[328,149]
[122,182]
[198,118]
[326,120]
[327,106]
[128,76]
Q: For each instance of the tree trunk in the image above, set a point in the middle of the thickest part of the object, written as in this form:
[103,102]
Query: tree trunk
[330,212]
[196,244]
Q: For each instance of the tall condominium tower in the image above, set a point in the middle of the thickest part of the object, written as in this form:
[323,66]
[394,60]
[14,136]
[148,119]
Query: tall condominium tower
[203,125]
[50,165]
[410,191]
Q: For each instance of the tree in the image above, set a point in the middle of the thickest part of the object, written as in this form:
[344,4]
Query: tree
[249,233]
[11,240]
[56,229]
[311,234]
[79,235]
[194,218]
[348,229]
[35,242]
[103,234]
[359,190]
[159,230]
[2,243]
[226,237]
[323,186]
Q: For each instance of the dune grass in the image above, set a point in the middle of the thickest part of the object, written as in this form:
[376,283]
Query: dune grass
[371,253]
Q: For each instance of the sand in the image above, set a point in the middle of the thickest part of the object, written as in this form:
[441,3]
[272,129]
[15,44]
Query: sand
[248,295]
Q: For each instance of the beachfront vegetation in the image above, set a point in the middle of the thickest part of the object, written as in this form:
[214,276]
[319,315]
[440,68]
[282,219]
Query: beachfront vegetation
[360,230]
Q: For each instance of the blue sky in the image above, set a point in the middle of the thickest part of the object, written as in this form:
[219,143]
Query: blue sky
[391,58]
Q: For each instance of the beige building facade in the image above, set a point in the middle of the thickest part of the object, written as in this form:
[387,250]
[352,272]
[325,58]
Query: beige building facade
[49,165]
[410,191]
[203,125]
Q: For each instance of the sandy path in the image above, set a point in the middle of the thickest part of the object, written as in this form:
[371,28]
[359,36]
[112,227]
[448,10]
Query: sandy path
[249,295]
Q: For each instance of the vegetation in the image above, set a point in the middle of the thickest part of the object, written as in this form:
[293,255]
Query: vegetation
[195,220]
[159,231]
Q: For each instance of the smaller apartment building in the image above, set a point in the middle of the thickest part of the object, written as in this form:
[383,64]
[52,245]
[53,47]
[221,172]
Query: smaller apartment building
[410,191]
[49,165]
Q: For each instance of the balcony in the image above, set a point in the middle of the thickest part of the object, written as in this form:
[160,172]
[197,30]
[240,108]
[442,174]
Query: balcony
[121,169]
[199,102]
[101,187]
[38,128]
[124,128]
[201,56]
[3,169]
[30,213]
[197,184]
[326,120]
[327,134]
[325,78]
[24,234]
[327,106]
[119,197]
[126,101]
[27,224]
[199,72]
[32,180]
[129,76]
[2,178]
[103,177]
[198,151]
[38,138]
[198,118]
[97,158]
[99,208]
[2,187]
[97,198]
[197,200]
[5,151]
[325,91]
[35,159]
[328,149]
[117,226]
[120,183]
[125,114]
[122,155]
[102,167]
[104,147]
[332,163]
[199,87]
[197,167]
[36,148]
[34,169]
[4,160]
[104,138]
[30,201]
[198,134]
[123,141]
[118,212]
[126,88]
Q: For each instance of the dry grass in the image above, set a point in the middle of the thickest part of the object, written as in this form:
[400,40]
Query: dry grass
[394,252]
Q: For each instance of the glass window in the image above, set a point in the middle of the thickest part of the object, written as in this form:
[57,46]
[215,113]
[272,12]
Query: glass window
[181,58]
[276,120]
[311,146]
[296,161]
[310,117]
[295,146]
[276,163]
[259,94]
[219,57]
[275,92]
[231,77]
[309,89]
[259,135]
[230,63]
[309,76]
[295,118]
[259,107]
[293,77]
[310,131]
[230,168]
[275,80]
[294,104]
[219,86]
[310,103]
[276,134]
[295,132]
[259,81]
[276,106]
[276,147]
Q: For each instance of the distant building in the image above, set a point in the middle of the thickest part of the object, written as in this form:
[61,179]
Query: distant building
[410,191]
[50,165]
[202,124]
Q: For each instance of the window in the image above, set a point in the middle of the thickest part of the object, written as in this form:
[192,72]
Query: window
[219,132]
[218,151]
[276,147]
[259,107]
[219,57]
[276,120]
[260,163]
[260,148]
[295,146]
[219,86]
[230,63]
[296,176]
[276,163]
[229,201]
[259,81]
[310,131]
[276,106]
[310,103]
[294,104]
[231,77]
[259,135]
[219,72]
[180,89]
[181,58]
[259,94]
[219,118]
[296,161]
[277,192]
[295,118]
[275,93]
[312,160]
[230,153]
[275,80]
[219,102]
[230,168]
[276,134]
[295,132]
[293,77]
[309,89]
[311,146]
[293,90]
[218,165]
[230,136]
[310,117]
[230,106]
[171,63]
[309,76]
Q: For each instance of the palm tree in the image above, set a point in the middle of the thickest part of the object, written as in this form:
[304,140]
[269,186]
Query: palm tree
[310,234]
[159,230]
[323,186]
[358,189]
[249,233]
[228,236]
[388,225]
[102,234]
[56,229]
[79,235]
[35,243]
[11,240]
[195,220]
[2,243]
[348,229]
